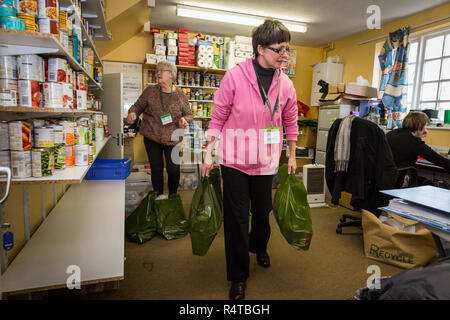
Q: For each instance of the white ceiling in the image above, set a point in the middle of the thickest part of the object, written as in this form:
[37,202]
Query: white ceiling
[328,20]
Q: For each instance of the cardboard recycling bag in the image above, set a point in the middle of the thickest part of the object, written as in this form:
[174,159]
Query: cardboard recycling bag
[397,247]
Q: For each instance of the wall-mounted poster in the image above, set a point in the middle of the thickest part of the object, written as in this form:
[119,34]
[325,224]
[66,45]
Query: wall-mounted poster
[132,80]
[288,65]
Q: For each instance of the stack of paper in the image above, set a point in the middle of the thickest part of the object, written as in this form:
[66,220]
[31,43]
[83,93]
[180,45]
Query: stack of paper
[419,213]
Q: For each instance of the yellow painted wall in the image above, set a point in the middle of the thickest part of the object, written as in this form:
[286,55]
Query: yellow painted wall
[359,59]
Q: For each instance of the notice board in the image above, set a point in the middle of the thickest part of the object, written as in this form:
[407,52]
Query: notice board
[132,80]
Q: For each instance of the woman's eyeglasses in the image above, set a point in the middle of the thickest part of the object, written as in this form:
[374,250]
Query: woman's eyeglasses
[280,51]
[162,70]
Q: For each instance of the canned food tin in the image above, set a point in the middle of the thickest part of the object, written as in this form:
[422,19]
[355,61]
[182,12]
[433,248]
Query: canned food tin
[91,154]
[29,67]
[10,3]
[44,137]
[99,134]
[63,20]
[98,119]
[70,156]
[81,134]
[8,98]
[81,99]
[57,68]
[67,91]
[7,11]
[21,164]
[29,94]
[30,22]
[81,81]
[64,39]
[8,67]
[59,133]
[69,132]
[42,162]
[29,7]
[94,147]
[60,156]
[81,155]
[12,23]
[4,133]
[48,26]
[20,137]
[48,9]
[10,84]
[4,159]
[53,95]
[38,123]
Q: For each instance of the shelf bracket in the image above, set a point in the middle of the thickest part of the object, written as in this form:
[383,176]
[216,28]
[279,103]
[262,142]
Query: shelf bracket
[7,50]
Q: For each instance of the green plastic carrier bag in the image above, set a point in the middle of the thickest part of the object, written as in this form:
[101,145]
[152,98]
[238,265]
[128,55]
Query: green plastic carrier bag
[206,215]
[171,221]
[140,226]
[291,210]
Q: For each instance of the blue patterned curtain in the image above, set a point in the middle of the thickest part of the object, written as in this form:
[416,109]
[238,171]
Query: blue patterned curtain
[394,80]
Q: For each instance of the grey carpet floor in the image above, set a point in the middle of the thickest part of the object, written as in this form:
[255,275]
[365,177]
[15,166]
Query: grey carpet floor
[332,269]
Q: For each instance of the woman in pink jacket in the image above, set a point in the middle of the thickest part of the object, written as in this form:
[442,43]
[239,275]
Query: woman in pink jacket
[255,103]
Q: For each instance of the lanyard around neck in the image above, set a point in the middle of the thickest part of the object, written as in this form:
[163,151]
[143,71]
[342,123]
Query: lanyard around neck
[265,98]
[161,97]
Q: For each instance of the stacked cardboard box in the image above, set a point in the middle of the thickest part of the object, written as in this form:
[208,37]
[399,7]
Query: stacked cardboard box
[186,53]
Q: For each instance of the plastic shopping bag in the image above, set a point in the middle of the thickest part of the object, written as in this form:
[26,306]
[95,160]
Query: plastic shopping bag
[140,226]
[206,215]
[171,221]
[291,210]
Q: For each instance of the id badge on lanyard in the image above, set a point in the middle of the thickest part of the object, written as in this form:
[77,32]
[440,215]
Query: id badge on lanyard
[271,134]
[166,118]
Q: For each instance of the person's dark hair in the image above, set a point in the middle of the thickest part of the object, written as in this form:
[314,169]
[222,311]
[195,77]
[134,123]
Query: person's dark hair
[415,120]
[270,32]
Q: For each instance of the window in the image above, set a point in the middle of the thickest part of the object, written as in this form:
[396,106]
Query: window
[429,72]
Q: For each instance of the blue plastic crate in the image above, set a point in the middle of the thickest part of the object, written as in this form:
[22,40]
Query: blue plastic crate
[109,169]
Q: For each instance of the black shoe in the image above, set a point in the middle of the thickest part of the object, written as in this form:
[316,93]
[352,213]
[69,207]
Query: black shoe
[263,259]
[237,291]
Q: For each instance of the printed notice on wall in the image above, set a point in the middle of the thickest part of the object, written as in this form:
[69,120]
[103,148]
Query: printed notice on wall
[132,80]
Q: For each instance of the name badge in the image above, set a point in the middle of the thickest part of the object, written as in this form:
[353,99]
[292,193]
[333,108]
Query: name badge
[166,118]
[272,135]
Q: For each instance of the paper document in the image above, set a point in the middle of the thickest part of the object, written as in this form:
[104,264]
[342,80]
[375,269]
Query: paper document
[419,213]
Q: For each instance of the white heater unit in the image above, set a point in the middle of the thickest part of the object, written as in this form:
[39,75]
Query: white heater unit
[314,181]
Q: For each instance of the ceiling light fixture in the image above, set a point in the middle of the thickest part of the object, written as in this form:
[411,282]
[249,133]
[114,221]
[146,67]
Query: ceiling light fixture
[233,17]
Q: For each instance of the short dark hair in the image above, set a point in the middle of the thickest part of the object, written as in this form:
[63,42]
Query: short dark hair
[270,32]
[415,120]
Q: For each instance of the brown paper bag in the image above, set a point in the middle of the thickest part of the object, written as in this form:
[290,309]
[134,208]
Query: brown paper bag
[397,247]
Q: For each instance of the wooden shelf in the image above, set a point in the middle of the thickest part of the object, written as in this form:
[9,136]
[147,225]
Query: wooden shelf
[23,113]
[25,42]
[183,86]
[210,101]
[189,68]
[93,11]
[67,176]
[84,229]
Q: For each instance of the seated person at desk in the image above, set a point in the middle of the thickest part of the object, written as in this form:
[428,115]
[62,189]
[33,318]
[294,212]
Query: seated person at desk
[406,143]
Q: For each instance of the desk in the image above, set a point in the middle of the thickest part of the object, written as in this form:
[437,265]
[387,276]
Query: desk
[425,204]
[431,171]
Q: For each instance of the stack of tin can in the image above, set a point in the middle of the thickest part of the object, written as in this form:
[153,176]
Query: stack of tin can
[48,17]
[8,81]
[20,145]
[8,16]
[31,73]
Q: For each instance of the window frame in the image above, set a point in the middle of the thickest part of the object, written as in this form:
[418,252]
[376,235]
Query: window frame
[416,102]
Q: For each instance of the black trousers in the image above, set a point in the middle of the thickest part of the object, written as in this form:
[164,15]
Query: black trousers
[242,192]
[155,157]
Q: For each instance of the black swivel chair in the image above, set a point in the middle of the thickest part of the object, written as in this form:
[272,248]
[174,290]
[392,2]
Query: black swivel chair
[407,178]
[371,168]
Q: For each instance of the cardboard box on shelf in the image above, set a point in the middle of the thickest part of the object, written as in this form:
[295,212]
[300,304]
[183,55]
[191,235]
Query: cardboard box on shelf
[306,137]
[361,91]
[341,98]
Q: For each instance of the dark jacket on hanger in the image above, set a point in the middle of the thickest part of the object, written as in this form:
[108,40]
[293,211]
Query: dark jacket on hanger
[371,167]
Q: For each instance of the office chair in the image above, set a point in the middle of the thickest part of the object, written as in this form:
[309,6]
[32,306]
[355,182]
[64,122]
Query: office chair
[371,168]
[407,178]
